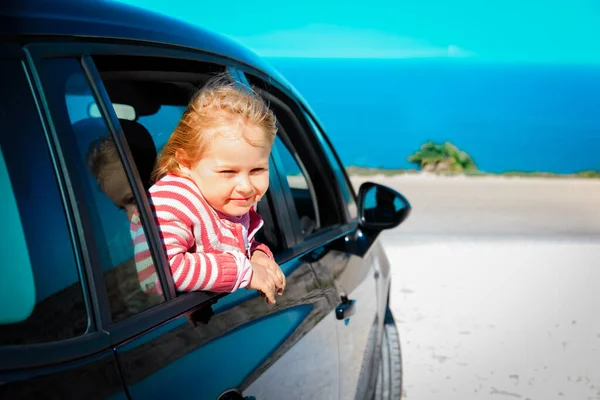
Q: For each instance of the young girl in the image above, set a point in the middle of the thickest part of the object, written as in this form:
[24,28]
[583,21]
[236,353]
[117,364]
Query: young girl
[209,177]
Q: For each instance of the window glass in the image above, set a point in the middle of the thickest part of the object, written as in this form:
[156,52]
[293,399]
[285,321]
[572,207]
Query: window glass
[60,311]
[162,124]
[300,186]
[158,89]
[341,177]
[17,286]
[131,283]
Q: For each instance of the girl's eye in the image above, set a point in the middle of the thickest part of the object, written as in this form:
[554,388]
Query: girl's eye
[258,170]
[227,172]
[127,202]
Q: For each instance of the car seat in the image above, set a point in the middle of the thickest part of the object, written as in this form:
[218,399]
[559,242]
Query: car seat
[142,147]
[140,142]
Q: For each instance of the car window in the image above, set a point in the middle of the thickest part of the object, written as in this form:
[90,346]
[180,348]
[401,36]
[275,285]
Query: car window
[341,177]
[162,124]
[158,89]
[60,311]
[302,190]
[94,163]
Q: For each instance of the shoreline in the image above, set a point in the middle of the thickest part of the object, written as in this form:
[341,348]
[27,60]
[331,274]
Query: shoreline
[431,177]
[382,172]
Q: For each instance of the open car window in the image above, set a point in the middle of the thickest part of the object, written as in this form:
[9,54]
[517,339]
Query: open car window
[158,91]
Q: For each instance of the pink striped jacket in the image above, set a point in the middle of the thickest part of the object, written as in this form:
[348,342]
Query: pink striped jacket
[205,252]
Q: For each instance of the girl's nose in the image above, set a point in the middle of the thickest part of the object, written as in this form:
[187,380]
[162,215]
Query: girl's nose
[244,186]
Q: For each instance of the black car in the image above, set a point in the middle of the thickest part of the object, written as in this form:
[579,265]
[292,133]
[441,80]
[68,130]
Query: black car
[74,321]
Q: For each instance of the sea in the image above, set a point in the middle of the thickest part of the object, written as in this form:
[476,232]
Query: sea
[508,117]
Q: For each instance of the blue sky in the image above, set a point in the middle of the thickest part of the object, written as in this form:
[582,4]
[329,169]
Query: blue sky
[548,31]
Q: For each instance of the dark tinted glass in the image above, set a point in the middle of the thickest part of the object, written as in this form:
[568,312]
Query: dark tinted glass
[60,311]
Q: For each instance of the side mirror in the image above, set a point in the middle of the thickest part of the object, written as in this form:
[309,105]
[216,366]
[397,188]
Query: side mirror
[380,207]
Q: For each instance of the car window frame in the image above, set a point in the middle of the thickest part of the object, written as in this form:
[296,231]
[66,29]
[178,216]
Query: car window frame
[324,140]
[93,340]
[109,115]
[287,190]
[174,305]
[78,207]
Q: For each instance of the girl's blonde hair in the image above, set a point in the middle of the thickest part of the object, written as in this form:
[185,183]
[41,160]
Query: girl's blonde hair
[219,105]
[102,154]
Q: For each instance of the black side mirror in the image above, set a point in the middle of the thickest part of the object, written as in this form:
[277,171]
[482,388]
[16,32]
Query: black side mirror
[380,207]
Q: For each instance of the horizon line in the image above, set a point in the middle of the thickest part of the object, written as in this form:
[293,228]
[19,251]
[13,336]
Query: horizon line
[448,59]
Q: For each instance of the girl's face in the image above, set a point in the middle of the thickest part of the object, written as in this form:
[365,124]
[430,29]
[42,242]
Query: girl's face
[232,174]
[116,187]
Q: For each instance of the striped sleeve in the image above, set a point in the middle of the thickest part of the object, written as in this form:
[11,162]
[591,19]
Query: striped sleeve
[186,238]
[144,264]
[256,245]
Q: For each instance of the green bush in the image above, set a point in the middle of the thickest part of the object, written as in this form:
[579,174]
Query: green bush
[588,174]
[444,158]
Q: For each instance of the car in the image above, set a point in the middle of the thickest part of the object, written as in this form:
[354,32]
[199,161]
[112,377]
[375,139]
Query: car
[75,321]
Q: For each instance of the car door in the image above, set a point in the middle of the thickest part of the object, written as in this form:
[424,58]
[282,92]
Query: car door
[199,343]
[324,216]
[366,276]
[58,350]
[237,342]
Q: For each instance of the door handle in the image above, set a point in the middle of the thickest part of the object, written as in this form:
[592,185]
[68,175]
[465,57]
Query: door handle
[345,309]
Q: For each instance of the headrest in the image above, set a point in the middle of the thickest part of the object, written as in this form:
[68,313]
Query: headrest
[142,148]
[138,139]
[136,95]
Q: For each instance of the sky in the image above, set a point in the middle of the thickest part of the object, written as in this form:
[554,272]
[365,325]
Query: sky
[547,31]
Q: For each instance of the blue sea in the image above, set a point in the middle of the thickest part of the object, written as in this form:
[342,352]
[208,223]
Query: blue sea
[507,117]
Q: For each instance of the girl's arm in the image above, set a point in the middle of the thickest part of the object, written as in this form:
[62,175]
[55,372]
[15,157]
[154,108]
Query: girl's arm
[197,270]
[225,272]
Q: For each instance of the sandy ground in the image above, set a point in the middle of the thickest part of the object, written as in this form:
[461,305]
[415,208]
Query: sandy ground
[498,319]
[495,287]
[535,207]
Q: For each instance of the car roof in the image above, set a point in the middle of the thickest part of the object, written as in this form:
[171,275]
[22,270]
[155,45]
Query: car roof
[110,19]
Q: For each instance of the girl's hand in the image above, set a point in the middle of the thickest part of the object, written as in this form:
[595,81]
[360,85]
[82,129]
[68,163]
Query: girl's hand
[272,266]
[263,280]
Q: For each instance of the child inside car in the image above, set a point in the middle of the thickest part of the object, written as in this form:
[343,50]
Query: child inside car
[209,177]
[104,163]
